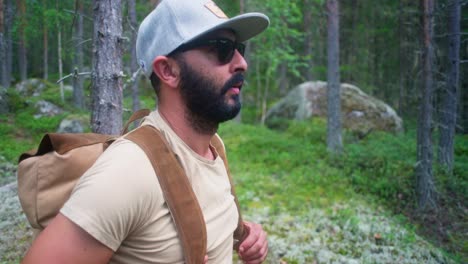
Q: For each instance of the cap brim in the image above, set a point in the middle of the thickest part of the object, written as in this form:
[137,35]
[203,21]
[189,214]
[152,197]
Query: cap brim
[245,26]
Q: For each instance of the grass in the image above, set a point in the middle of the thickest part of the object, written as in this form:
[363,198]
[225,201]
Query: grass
[291,172]
[359,206]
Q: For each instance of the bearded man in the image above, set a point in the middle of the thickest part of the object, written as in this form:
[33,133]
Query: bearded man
[193,54]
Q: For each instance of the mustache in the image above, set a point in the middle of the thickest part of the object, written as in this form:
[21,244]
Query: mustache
[236,79]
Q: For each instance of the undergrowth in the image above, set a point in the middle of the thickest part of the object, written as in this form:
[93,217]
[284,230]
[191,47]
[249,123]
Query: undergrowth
[292,173]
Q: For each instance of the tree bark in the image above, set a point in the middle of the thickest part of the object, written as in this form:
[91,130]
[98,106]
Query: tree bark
[60,63]
[107,87]
[78,93]
[3,99]
[2,47]
[401,66]
[45,42]
[334,139]
[307,22]
[22,59]
[425,183]
[8,24]
[448,115]
[283,79]
[133,61]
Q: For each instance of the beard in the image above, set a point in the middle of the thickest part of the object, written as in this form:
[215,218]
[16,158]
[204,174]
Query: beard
[207,103]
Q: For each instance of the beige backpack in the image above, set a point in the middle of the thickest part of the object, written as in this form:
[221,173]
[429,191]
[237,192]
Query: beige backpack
[47,176]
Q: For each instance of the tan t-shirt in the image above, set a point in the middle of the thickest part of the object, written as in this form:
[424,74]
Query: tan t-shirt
[120,203]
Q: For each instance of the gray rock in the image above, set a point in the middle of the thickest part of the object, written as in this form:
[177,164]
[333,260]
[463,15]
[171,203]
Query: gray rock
[45,108]
[70,126]
[31,87]
[360,112]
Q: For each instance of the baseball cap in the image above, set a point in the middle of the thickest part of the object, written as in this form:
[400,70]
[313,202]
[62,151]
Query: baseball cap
[176,22]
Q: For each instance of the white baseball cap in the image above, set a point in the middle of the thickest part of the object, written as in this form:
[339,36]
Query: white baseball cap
[176,22]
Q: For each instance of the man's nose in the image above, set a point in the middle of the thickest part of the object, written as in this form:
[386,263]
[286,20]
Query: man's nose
[238,62]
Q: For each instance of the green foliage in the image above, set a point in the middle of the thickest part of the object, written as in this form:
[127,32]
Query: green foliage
[15,101]
[21,130]
[34,126]
[454,186]
[291,173]
[9,147]
[271,166]
[29,131]
[382,165]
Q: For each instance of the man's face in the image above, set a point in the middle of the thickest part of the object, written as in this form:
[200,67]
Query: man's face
[206,97]
[209,87]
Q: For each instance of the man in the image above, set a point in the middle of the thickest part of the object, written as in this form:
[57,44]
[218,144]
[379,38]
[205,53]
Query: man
[194,57]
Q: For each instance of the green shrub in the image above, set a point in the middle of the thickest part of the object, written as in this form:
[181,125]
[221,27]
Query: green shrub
[15,101]
[383,165]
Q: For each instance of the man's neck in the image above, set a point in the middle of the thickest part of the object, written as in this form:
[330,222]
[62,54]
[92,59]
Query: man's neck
[197,140]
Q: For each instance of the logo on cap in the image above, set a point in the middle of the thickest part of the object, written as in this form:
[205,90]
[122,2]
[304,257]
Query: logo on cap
[215,9]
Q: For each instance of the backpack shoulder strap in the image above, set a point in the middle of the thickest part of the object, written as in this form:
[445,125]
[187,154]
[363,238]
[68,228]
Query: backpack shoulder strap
[240,233]
[177,191]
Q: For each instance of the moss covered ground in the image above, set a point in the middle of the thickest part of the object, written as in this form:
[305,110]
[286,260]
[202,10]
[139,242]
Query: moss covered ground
[317,208]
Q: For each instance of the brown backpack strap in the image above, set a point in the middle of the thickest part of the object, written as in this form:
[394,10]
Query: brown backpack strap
[177,191]
[134,117]
[240,233]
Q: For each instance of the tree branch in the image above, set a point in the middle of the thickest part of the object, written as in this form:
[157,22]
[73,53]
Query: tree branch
[79,13]
[134,75]
[73,74]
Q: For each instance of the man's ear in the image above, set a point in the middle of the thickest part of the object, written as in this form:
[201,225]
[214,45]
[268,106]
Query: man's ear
[167,70]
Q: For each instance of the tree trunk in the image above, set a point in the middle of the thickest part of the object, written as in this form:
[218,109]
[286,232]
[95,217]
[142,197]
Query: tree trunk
[3,99]
[22,60]
[78,94]
[45,52]
[60,63]
[351,56]
[2,48]
[448,116]
[425,182]
[45,42]
[307,22]
[8,24]
[106,115]
[401,66]
[133,61]
[334,139]
[266,94]
[283,79]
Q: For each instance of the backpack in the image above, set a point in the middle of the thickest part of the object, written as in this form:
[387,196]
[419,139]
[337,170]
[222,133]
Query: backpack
[47,176]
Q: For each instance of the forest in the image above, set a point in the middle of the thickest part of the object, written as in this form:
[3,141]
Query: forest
[325,191]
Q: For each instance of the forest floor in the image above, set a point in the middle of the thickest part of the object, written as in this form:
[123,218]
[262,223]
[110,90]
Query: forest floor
[345,232]
[316,209]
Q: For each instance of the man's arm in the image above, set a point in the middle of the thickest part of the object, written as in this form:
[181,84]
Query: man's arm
[65,242]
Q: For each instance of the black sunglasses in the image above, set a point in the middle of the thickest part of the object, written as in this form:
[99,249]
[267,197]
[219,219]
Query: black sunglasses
[225,48]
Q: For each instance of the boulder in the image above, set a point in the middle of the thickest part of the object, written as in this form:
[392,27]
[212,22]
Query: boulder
[46,108]
[31,87]
[70,126]
[360,112]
